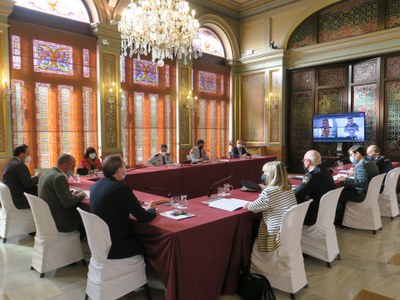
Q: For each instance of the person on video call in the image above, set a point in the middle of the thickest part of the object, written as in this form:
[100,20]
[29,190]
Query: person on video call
[352,134]
[326,132]
[351,125]
[325,123]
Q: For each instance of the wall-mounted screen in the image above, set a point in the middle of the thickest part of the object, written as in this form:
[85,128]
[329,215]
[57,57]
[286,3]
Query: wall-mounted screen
[343,127]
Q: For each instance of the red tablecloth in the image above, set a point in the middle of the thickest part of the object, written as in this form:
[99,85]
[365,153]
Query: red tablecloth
[195,180]
[199,257]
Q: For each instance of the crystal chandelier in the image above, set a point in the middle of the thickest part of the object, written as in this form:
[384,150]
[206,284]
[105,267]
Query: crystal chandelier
[164,28]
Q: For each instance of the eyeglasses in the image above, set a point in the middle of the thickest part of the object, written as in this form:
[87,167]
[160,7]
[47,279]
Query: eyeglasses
[303,160]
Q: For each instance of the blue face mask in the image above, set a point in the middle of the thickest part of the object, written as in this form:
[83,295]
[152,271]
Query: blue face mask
[369,157]
[264,179]
[353,160]
[70,173]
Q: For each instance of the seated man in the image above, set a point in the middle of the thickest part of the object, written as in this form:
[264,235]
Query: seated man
[54,189]
[351,125]
[17,177]
[384,164]
[316,182]
[198,153]
[160,158]
[326,132]
[352,135]
[239,150]
[355,189]
[114,202]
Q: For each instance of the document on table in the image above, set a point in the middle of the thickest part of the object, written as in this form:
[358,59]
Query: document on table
[177,214]
[87,192]
[229,204]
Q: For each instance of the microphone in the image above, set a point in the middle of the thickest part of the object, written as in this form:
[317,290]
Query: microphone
[216,183]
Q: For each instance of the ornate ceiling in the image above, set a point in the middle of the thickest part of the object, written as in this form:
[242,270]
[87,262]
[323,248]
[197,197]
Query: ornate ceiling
[241,5]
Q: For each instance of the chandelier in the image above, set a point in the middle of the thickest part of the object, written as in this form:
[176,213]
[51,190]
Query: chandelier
[164,28]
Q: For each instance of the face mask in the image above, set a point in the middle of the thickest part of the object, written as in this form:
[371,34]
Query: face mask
[70,173]
[369,157]
[27,159]
[124,174]
[239,145]
[264,179]
[353,160]
[305,168]
[201,147]
[92,155]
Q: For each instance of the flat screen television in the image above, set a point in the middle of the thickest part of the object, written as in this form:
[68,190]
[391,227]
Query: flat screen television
[343,127]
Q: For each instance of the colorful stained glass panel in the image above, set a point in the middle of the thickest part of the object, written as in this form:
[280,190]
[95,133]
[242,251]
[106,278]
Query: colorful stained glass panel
[86,67]
[52,58]
[18,106]
[364,100]
[207,82]
[210,43]
[16,51]
[145,72]
[71,9]
[122,68]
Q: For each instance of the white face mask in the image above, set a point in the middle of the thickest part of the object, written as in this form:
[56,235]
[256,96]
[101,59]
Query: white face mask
[239,145]
[27,159]
[92,155]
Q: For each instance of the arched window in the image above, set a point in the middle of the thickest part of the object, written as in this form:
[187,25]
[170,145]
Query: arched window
[210,43]
[70,9]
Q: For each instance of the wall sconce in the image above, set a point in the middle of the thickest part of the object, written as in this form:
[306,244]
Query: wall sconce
[272,45]
[105,42]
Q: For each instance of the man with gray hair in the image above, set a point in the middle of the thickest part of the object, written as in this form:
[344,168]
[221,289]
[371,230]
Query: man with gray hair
[54,189]
[384,164]
[316,182]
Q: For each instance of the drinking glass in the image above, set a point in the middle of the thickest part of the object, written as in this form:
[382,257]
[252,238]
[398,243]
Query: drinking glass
[227,188]
[340,165]
[183,203]
[175,201]
[221,191]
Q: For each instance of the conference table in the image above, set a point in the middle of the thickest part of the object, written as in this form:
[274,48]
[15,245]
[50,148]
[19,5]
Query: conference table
[198,257]
[195,180]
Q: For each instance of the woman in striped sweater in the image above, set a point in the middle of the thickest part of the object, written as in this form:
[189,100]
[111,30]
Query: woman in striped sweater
[273,202]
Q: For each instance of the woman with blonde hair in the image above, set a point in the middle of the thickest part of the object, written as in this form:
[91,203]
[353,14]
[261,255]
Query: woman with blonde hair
[273,202]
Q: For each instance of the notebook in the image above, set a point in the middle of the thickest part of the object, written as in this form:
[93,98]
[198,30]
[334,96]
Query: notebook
[228,204]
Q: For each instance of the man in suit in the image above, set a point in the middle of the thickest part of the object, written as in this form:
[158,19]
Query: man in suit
[114,202]
[239,150]
[17,177]
[198,153]
[54,189]
[161,158]
[316,182]
[384,164]
[355,189]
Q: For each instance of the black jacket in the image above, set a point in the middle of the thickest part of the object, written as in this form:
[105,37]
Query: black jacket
[114,202]
[18,179]
[235,151]
[314,185]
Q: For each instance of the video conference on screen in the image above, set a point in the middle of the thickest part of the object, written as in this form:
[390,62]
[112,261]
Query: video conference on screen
[345,127]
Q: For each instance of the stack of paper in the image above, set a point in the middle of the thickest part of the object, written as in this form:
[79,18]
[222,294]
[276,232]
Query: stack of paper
[177,214]
[229,204]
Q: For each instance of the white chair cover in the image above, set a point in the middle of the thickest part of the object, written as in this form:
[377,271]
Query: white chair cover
[109,278]
[319,240]
[13,221]
[388,198]
[366,214]
[52,249]
[284,267]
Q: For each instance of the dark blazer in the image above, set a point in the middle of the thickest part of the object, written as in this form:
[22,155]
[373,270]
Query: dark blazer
[54,189]
[18,179]
[315,184]
[114,202]
[364,171]
[384,164]
[235,151]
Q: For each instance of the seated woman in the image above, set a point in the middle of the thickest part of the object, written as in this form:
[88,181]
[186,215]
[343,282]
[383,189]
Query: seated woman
[273,202]
[90,161]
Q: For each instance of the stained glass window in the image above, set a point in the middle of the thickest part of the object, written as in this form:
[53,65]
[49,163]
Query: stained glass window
[139,99]
[16,51]
[153,122]
[168,121]
[52,58]
[122,67]
[18,106]
[64,99]
[43,124]
[166,68]
[89,118]
[124,125]
[145,72]
[210,43]
[86,66]
[71,9]
[207,82]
